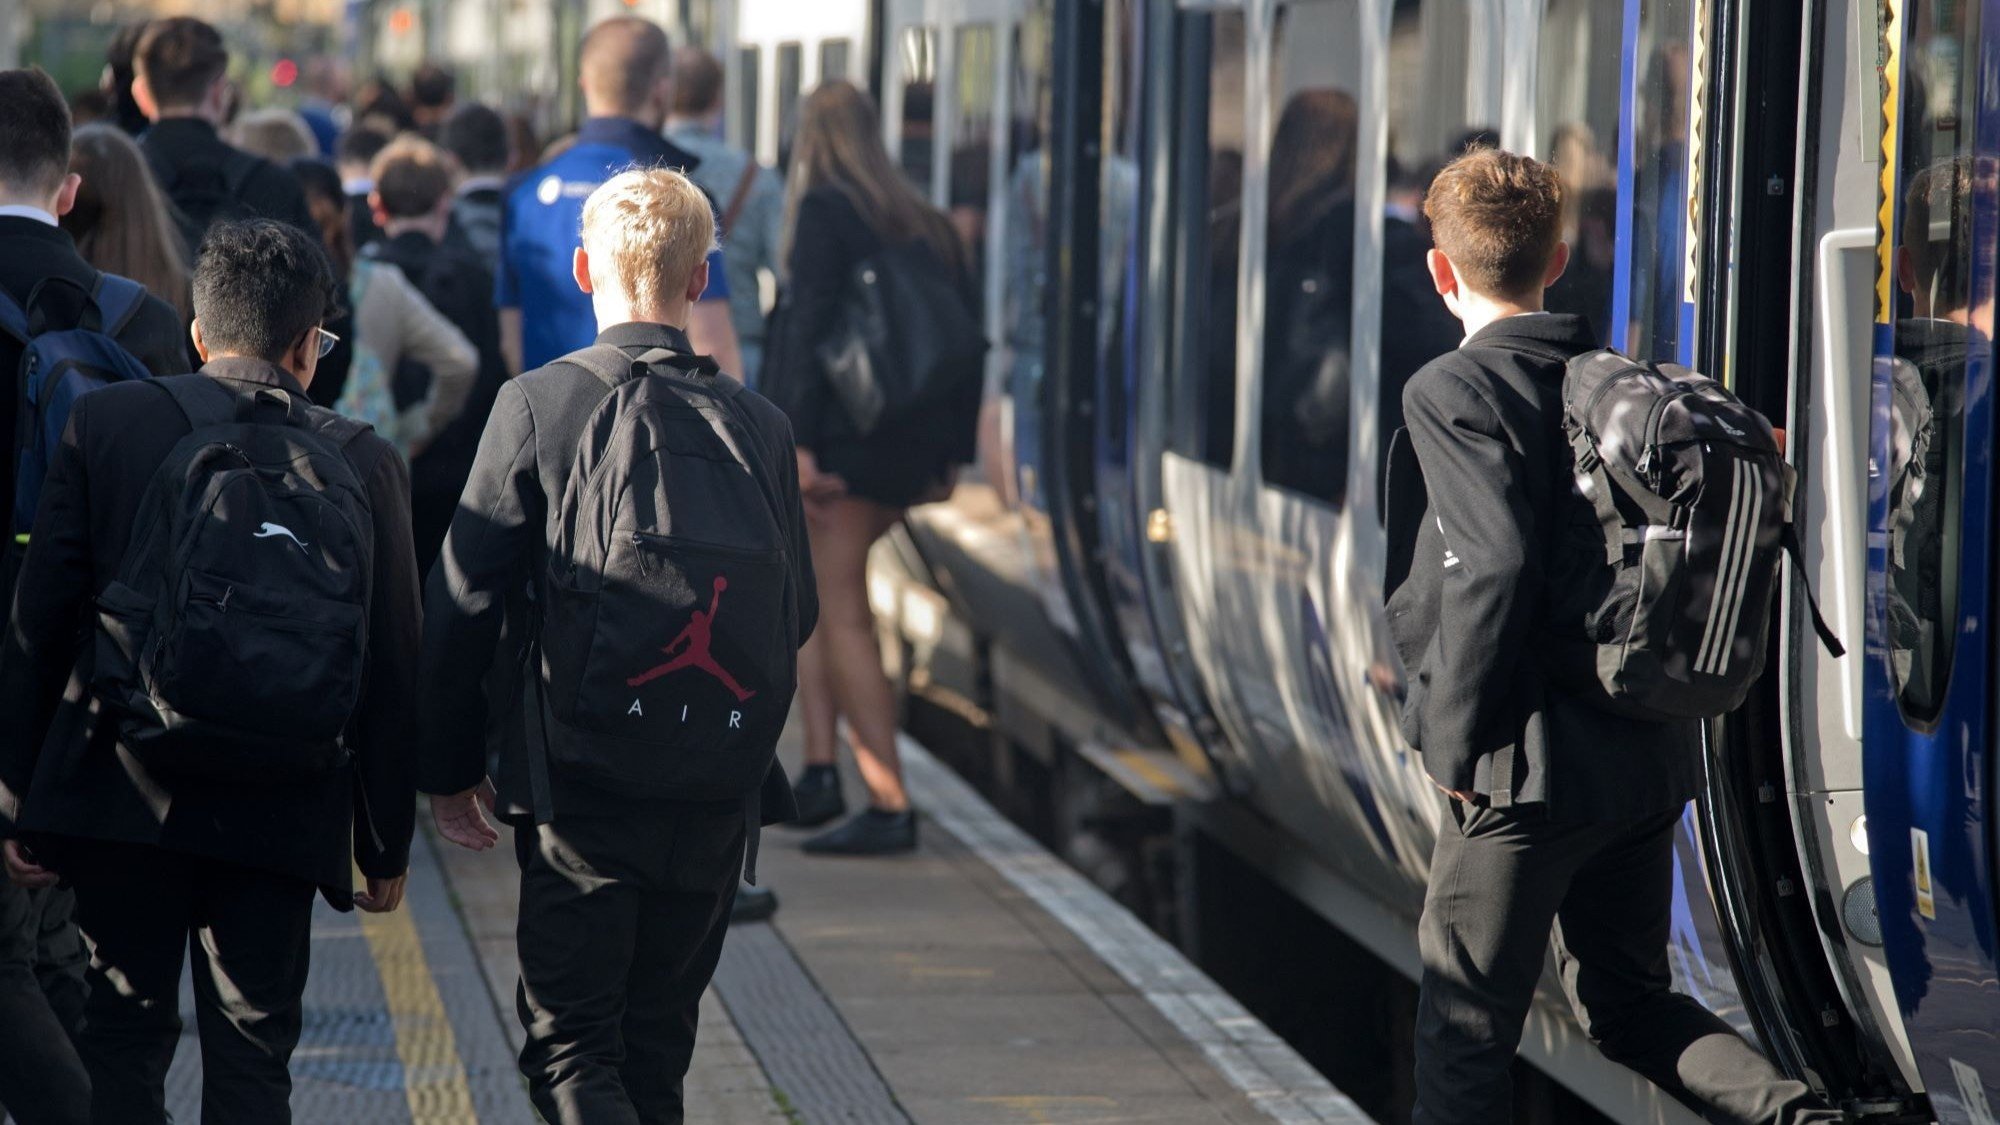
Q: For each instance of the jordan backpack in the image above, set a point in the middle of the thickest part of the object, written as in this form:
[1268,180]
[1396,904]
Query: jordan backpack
[1693,500]
[59,363]
[232,642]
[668,631]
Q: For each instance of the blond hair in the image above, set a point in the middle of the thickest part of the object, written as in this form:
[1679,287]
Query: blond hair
[647,230]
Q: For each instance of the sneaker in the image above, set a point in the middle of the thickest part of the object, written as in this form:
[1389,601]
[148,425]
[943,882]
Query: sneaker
[868,832]
[753,904]
[818,797]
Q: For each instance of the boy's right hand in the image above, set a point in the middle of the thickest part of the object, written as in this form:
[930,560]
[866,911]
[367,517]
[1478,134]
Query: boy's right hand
[461,817]
[22,868]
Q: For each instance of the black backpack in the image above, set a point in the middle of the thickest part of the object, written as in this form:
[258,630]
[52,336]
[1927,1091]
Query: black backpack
[905,342]
[205,194]
[668,625]
[1694,504]
[232,643]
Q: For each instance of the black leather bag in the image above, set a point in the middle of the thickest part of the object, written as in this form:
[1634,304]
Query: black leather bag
[905,338]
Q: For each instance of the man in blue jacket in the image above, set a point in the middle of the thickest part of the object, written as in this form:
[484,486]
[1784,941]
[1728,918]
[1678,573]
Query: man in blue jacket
[626,77]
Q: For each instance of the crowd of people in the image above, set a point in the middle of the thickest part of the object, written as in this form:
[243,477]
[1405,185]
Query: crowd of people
[274,367]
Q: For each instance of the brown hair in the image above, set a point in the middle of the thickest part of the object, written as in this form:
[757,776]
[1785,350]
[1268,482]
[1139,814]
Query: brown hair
[1498,218]
[621,60]
[1312,158]
[697,82]
[839,145]
[180,58]
[1940,195]
[120,221]
[277,135]
[411,176]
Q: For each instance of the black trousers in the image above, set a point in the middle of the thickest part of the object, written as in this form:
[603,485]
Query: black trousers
[1499,881]
[42,1080]
[143,911]
[622,921]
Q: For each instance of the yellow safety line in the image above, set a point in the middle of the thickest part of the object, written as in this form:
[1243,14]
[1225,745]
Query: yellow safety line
[1885,219]
[433,1075]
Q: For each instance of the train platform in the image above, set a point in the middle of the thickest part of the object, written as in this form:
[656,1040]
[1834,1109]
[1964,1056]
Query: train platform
[979,980]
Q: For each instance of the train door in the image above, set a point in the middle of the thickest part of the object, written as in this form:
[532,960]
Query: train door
[1930,660]
[775,52]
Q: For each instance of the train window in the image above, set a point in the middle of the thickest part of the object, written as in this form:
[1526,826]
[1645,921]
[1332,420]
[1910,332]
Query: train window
[1204,423]
[1576,108]
[833,56]
[1024,222]
[748,60]
[791,76]
[1309,247]
[1660,180]
[1934,316]
[914,144]
[1426,91]
[972,138]
[1117,222]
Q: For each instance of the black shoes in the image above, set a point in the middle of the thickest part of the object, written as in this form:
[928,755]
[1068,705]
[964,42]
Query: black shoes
[753,904]
[868,832]
[818,796]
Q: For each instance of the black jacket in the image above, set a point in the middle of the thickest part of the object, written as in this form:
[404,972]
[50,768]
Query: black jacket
[63,774]
[265,190]
[898,463]
[1477,619]
[498,547]
[31,252]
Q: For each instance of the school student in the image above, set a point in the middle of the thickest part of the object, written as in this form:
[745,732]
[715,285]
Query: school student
[636,513]
[1561,813]
[199,783]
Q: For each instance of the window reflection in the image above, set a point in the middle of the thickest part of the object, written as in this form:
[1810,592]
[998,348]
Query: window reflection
[1205,423]
[972,142]
[1935,340]
[1660,181]
[919,93]
[1024,232]
[1576,104]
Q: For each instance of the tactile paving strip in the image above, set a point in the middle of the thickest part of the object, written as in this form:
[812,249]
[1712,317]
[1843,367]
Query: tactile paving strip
[348,1067]
[796,1033]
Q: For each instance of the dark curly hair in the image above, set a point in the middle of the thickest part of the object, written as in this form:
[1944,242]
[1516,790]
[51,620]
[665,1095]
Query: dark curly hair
[259,286]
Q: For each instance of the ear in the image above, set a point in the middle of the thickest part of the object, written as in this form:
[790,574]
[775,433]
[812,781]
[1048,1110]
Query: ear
[375,209]
[200,344]
[303,360]
[66,195]
[698,283]
[1906,270]
[1443,277]
[1558,262]
[142,96]
[580,269]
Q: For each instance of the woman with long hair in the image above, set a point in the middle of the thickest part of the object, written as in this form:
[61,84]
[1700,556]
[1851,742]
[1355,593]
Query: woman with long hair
[121,222]
[847,202]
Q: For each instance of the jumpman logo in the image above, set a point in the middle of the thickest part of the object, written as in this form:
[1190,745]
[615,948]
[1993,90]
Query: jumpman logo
[692,646]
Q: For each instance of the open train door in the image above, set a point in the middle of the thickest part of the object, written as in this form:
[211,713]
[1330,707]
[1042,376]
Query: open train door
[1929,659]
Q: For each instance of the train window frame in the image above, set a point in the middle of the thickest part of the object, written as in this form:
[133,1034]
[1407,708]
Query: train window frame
[1202,416]
[748,103]
[1306,272]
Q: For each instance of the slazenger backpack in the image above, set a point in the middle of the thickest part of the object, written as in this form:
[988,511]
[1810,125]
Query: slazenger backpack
[1694,500]
[57,365]
[232,642]
[668,626]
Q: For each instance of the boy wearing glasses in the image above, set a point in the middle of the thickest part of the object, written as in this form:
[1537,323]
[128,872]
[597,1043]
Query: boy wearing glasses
[168,861]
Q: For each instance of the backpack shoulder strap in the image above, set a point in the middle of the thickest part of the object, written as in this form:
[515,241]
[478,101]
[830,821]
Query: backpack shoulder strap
[119,299]
[610,365]
[739,197]
[14,318]
[200,399]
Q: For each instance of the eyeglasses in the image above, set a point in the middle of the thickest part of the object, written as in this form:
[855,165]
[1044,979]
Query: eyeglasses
[327,341]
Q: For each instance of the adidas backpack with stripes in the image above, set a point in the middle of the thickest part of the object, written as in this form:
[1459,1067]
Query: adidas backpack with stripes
[1694,499]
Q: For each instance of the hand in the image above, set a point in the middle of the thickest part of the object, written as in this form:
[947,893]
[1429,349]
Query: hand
[461,819]
[816,485]
[382,895]
[22,868]
[1465,795]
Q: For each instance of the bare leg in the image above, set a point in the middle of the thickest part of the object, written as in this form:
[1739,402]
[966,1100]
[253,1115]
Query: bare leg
[850,655]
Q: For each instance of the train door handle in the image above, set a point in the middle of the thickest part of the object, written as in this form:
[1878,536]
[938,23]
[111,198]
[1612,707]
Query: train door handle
[1847,356]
